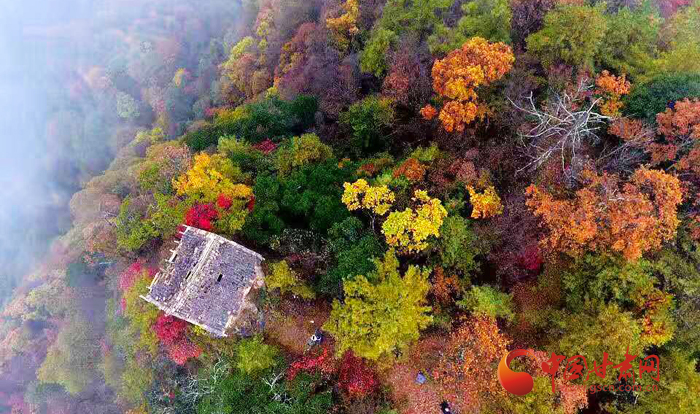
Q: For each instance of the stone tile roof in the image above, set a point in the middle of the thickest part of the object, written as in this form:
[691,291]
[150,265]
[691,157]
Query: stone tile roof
[206,280]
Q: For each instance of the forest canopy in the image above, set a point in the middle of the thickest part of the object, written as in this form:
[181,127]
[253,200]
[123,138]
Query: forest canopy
[432,184]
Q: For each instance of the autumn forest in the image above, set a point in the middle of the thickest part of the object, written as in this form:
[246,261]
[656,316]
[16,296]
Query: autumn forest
[431,184]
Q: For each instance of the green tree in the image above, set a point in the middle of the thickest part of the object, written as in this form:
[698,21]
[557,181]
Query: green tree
[72,358]
[373,58]
[132,229]
[368,120]
[136,379]
[308,197]
[487,301]
[599,281]
[678,266]
[301,151]
[682,54]
[399,18]
[268,118]
[650,98]
[240,393]
[489,19]
[604,329]
[355,249]
[378,319]
[572,35]
[458,246]
[254,356]
[630,44]
[243,155]
[141,315]
[679,388]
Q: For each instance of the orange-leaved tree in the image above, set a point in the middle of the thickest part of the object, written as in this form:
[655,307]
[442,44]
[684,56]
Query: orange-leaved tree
[466,369]
[610,89]
[457,77]
[680,127]
[609,217]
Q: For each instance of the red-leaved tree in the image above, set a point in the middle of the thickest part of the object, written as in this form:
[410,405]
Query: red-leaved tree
[169,329]
[322,362]
[181,351]
[355,378]
[202,216]
[172,333]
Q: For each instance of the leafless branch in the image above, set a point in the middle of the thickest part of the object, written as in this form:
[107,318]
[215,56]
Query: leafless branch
[561,127]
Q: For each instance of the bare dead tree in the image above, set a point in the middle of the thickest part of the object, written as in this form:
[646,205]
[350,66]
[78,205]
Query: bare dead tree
[565,123]
[277,392]
[199,387]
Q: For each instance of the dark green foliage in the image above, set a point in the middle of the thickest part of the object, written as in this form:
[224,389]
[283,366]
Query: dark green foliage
[458,246]
[314,193]
[309,197]
[354,248]
[241,393]
[269,118]
[648,99]
[243,155]
[597,280]
[264,222]
[368,120]
[679,268]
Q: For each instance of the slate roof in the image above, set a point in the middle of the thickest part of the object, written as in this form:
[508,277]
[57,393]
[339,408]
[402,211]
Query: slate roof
[206,280]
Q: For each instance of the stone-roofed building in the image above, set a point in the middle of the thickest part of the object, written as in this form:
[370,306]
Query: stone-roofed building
[208,281]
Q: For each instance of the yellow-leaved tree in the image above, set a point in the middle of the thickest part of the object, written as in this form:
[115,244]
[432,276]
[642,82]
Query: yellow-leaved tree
[344,27]
[486,204]
[360,195]
[210,177]
[282,277]
[377,320]
[409,230]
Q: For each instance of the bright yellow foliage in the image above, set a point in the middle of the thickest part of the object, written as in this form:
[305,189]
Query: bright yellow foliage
[486,204]
[345,26]
[410,229]
[209,177]
[377,320]
[361,195]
